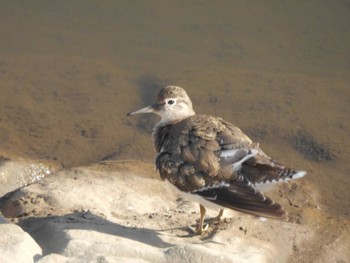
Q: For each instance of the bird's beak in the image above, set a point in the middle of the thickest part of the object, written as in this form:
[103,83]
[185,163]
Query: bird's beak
[148,109]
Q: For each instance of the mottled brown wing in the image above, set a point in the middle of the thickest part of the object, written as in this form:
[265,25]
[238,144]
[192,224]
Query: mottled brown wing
[235,149]
[231,137]
[188,155]
[259,168]
[200,151]
[208,162]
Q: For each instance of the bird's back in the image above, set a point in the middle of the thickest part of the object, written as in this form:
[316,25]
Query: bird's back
[210,157]
[193,148]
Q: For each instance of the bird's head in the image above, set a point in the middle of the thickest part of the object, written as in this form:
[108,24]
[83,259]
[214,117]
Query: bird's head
[172,105]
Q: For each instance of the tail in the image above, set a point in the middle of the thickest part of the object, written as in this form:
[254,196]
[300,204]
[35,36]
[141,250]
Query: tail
[261,169]
[241,196]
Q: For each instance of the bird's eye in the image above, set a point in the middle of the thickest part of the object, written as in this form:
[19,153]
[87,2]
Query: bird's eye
[171,102]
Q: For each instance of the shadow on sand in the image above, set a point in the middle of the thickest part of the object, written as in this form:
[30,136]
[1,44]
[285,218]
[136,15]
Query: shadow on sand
[49,232]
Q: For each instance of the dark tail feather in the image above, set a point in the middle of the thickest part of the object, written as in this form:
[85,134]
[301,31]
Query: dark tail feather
[241,196]
[262,169]
[258,205]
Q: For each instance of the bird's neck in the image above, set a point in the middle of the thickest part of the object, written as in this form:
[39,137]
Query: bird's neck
[163,127]
[172,118]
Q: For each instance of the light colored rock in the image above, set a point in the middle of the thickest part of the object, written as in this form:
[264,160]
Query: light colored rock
[83,189]
[56,258]
[87,215]
[91,215]
[114,243]
[21,172]
[17,245]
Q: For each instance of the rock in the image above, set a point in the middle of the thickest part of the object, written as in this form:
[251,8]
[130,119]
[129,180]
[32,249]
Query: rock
[81,188]
[17,245]
[21,172]
[91,238]
[91,215]
[56,258]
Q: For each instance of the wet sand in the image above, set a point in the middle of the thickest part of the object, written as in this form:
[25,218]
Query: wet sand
[70,71]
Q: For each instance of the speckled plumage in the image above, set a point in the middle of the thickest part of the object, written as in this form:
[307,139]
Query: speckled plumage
[210,157]
[191,148]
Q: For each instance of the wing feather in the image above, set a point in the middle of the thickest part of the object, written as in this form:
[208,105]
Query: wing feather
[242,196]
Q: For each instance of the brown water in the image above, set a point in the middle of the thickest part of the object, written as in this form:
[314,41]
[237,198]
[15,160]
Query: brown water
[71,70]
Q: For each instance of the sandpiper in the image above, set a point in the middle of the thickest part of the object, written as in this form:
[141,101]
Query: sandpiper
[212,160]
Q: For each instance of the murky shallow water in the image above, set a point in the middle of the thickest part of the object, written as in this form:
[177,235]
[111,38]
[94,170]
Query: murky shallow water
[71,70]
